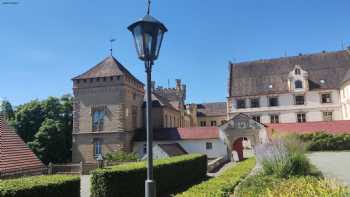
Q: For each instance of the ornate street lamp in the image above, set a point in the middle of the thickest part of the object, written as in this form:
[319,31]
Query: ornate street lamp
[148,35]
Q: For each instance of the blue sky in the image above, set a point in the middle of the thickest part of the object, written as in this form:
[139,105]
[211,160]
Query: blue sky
[43,44]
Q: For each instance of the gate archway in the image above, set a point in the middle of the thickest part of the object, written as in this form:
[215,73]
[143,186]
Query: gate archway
[239,127]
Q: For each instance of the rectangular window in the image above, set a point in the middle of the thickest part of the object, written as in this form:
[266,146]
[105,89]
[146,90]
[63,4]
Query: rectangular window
[326,98]
[301,117]
[240,103]
[254,103]
[299,100]
[328,116]
[203,123]
[213,123]
[256,118]
[273,101]
[98,119]
[97,147]
[209,145]
[274,119]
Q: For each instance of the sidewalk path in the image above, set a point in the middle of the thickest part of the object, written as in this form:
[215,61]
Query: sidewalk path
[333,165]
[85,185]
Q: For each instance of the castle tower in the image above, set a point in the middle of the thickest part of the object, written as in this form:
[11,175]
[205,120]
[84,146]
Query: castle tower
[107,109]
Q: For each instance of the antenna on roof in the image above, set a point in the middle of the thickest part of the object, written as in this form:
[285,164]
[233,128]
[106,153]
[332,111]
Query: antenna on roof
[342,44]
[285,53]
[111,49]
[168,83]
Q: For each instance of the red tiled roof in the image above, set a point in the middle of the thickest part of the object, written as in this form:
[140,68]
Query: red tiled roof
[171,134]
[15,156]
[339,126]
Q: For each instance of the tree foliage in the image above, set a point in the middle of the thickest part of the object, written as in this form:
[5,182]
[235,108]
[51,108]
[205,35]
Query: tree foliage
[7,109]
[46,126]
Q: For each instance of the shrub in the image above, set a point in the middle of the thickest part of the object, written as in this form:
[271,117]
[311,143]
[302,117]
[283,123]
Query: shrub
[129,179]
[284,157]
[261,185]
[121,156]
[326,142]
[41,186]
[224,184]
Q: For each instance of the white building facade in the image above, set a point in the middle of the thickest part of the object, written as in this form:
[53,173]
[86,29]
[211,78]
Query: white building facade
[304,88]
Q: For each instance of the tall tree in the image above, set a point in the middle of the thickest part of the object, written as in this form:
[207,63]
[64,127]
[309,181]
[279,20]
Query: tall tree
[28,118]
[6,109]
[49,142]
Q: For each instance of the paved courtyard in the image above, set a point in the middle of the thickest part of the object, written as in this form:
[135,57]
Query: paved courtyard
[333,165]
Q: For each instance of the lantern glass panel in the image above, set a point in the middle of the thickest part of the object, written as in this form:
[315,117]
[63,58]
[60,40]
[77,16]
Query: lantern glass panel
[138,40]
[159,42]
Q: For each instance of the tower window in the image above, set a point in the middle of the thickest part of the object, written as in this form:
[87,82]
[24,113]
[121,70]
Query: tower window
[297,71]
[213,123]
[97,147]
[97,119]
[298,84]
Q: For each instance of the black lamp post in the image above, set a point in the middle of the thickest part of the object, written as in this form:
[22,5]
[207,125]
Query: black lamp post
[148,35]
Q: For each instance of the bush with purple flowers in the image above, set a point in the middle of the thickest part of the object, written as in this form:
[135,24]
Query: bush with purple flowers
[284,157]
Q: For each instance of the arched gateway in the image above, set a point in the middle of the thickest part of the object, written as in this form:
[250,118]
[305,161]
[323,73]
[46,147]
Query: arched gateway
[242,127]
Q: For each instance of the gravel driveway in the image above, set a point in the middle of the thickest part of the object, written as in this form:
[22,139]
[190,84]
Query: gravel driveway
[333,164]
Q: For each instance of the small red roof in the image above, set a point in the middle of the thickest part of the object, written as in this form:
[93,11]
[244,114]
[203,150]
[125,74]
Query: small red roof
[172,134]
[335,127]
[15,156]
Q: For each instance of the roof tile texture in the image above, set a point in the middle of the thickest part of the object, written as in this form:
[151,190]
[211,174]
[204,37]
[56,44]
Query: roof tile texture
[15,156]
[254,77]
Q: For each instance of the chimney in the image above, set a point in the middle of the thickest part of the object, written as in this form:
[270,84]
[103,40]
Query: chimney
[178,84]
[153,85]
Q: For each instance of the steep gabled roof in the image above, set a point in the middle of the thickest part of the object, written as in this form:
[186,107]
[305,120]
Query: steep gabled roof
[15,156]
[212,109]
[255,77]
[107,68]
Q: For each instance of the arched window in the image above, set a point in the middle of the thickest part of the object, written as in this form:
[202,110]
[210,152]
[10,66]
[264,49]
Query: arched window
[298,84]
[297,71]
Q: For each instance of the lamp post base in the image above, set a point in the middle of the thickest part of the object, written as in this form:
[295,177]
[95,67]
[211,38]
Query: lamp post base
[150,188]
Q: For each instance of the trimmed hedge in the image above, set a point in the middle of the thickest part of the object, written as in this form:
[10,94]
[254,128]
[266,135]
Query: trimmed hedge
[41,186]
[129,179]
[308,186]
[224,184]
[326,142]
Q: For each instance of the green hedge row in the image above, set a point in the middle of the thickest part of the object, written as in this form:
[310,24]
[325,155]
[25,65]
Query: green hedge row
[129,179]
[41,186]
[326,142]
[224,184]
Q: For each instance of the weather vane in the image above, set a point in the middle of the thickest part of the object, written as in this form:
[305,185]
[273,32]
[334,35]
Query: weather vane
[149,7]
[111,49]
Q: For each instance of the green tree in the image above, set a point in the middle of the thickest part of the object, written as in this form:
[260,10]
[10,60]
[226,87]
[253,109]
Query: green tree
[30,117]
[6,109]
[49,142]
[27,119]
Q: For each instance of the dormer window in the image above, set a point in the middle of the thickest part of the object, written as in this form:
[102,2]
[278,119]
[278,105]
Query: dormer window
[298,84]
[297,71]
